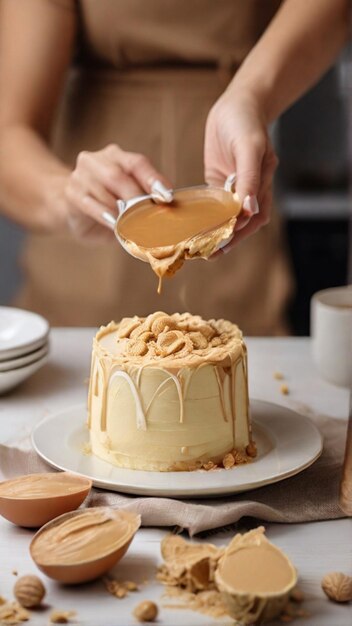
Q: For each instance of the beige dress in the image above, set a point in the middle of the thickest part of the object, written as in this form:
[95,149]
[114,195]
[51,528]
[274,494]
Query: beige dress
[145,77]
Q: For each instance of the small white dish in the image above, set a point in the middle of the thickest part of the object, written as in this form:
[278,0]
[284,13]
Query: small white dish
[287,443]
[21,361]
[21,332]
[12,378]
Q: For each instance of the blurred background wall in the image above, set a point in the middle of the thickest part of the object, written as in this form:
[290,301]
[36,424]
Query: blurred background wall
[312,195]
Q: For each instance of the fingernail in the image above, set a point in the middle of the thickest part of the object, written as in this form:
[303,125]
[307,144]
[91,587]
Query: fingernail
[158,188]
[242,222]
[121,205]
[109,218]
[250,204]
[230,181]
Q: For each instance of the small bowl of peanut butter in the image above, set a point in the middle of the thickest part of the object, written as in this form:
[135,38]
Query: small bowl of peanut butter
[196,223]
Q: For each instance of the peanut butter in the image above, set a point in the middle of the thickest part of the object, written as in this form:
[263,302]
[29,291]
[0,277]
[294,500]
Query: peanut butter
[257,569]
[196,223]
[157,225]
[41,486]
[87,536]
[255,578]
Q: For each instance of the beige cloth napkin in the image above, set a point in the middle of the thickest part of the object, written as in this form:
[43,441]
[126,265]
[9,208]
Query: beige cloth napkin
[308,496]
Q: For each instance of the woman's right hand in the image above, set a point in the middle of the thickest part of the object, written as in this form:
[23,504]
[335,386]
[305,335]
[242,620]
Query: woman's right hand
[98,180]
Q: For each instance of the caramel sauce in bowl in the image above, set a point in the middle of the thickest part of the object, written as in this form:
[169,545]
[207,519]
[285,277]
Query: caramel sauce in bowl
[34,499]
[255,578]
[198,222]
[192,212]
[82,545]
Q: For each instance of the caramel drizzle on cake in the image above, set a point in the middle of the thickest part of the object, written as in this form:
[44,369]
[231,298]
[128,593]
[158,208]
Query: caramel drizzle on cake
[177,346]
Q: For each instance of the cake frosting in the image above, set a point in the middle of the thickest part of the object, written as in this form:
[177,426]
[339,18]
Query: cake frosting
[169,392]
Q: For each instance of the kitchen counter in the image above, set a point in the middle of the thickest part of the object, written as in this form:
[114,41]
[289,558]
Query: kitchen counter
[315,548]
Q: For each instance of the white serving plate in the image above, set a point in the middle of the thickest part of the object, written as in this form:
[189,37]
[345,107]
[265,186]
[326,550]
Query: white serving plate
[12,378]
[21,332]
[21,361]
[287,443]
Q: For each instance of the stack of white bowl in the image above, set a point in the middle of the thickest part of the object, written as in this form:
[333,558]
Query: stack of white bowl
[24,345]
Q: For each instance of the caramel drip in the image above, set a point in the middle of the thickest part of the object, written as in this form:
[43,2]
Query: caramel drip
[142,413]
[90,392]
[141,420]
[160,284]
[221,392]
[180,395]
[234,365]
[245,374]
[139,375]
[156,392]
[178,385]
[106,369]
[96,383]
[185,383]
[182,387]
[135,390]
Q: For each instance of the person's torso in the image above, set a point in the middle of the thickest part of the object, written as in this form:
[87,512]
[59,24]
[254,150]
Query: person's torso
[125,33]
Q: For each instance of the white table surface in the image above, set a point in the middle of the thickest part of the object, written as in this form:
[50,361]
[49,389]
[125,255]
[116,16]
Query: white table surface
[315,548]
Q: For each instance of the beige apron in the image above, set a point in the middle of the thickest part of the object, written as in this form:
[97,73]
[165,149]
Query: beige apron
[146,77]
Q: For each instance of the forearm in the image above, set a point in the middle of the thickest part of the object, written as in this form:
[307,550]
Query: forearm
[32,180]
[299,45]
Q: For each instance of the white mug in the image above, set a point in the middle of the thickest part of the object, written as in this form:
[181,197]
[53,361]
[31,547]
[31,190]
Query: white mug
[331,332]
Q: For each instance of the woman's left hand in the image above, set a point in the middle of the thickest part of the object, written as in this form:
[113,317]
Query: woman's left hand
[237,140]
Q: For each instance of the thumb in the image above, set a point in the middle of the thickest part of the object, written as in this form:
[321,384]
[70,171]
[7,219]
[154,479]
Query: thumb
[249,157]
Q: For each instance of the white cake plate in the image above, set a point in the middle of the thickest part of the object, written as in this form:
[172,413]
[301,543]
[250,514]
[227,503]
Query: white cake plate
[287,443]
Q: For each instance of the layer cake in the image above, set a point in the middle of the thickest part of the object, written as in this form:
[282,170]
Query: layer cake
[170,393]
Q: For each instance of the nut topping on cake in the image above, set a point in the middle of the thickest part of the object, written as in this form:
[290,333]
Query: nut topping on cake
[137,348]
[173,341]
[161,335]
[163,323]
[128,324]
[199,341]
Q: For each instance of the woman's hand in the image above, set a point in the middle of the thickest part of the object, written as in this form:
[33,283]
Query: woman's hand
[236,140]
[98,180]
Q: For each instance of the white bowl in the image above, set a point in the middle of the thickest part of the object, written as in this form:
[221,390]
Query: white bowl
[21,332]
[12,378]
[19,362]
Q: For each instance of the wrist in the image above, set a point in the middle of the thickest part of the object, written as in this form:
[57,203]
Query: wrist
[256,93]
[55,209]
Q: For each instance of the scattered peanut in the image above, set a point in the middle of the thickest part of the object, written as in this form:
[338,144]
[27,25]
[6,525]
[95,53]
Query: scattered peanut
[146,611]
[119,589]
[228,461]
[61,617]
[29,591]
[12,613]
[297,595]
[251,450]
[337,586]
[284,390]
[209,465]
